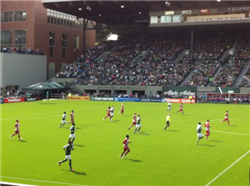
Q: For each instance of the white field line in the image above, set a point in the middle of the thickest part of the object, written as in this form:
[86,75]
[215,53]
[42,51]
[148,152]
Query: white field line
[227,168]
[20,117]
[227,132]
[42,181]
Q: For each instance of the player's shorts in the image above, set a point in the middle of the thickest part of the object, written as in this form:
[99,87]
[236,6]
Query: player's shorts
[190,100]
[208,132]
[200,135]
[112,114]
[133,123]
[168,123]
[68,157]
[126,148]
[72,136]
[63,121]
[138,125]
[122,110]
[108,115]
[181,110]
[169,108]
[17,132]
[226,119]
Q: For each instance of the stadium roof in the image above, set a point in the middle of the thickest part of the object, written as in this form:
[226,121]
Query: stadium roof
[45,86]
[90,8]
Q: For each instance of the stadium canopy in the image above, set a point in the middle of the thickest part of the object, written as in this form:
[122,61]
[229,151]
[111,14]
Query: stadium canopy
[45,86]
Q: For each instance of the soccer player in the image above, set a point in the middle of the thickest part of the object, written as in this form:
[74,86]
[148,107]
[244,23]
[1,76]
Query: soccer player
[167,121]
[181,109]
[138,124]
[207,125]
[199,134]
[122,109]
[112,112]
[126,149]
[72,115]
[108,114]
[17,131]
[190,99]
[72,132]
[169,106]
[226,118]
[134,121]
[63,122]
[67,148]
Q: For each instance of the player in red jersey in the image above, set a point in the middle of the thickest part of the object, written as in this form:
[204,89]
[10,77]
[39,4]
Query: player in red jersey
[122,109]
[17,132]
[126,149]
[181,109]
[72,115]
[134,121]
[226,118]
[207,125]
[108,114]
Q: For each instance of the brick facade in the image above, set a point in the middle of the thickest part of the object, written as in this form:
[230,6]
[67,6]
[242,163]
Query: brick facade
[37,32]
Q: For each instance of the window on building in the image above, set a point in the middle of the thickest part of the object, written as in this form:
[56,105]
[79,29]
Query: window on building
[76,42]
[24,15]
[5,38]
[20,38]
[2,16]
[48,19]
[64,40]
[75,50]
[6,16]
[64,52]
[18,16]
[51,51]
[52,38]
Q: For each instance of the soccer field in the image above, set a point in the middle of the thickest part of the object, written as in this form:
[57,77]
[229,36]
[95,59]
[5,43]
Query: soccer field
[157,157]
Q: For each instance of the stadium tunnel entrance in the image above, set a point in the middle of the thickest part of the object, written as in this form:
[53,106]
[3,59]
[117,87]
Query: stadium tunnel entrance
[138,93]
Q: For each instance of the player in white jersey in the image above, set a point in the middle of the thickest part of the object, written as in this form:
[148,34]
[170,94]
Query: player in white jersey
[112,112]
[199,134]
[63,122]
[169,106]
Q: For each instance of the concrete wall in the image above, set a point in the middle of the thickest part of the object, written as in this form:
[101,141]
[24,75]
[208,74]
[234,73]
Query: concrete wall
[22,70]
[148,89]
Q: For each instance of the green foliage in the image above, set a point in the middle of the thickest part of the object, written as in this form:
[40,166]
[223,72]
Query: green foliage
[157,157]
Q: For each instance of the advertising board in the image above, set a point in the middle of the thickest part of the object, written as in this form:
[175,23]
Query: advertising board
[179,92]
[176,100]
[80,98]
[127,99]
[14,100]
[102,99]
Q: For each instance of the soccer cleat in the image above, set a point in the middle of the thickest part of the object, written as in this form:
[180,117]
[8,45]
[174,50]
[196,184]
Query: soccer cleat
[124,155]
[103,119]
[128,128]
[21,139]
[10,136]
[59,163]
[121,157]
[72,170]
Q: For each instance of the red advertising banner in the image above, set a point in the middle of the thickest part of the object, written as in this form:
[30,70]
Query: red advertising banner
[177,100]
[14,100]
[204,11]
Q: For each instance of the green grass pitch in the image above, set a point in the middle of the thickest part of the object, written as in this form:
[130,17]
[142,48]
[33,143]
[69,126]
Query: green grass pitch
[157,157]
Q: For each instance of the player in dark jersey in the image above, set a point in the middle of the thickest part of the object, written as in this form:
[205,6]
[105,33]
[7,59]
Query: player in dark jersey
[67,148]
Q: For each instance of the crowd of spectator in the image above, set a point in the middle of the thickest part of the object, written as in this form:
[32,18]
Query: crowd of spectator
[114,69]
[23,50]
[246,80]
[207,51]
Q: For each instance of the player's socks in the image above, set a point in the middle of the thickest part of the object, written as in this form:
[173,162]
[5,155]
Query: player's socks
[70,164]
[139,129]
[134,131]
[165,127]
[62,161]
[73,140]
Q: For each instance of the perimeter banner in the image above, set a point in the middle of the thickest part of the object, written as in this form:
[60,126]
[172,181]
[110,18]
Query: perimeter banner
[102,99]
[173,100]
[80,98]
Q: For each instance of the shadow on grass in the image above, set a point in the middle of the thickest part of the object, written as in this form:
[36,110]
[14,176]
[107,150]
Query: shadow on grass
[173,130]
[216,141]
[142,133]
[133,160]
[79,145]
[75,172]
[206,145]
[23,140]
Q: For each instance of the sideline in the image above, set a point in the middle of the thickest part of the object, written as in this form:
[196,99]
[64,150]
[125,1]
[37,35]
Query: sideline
[43,181]
[227,169]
